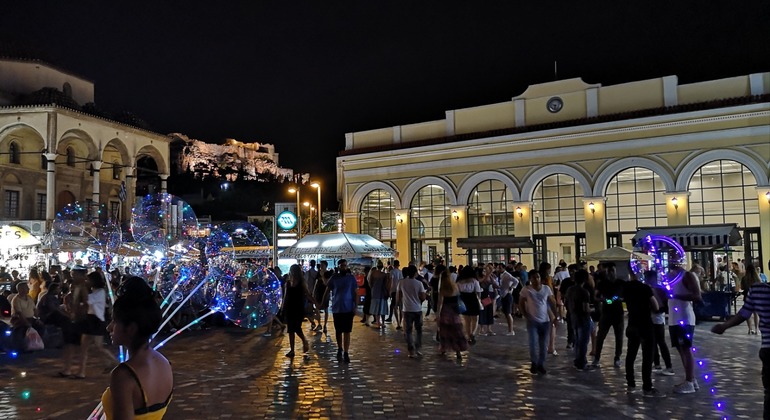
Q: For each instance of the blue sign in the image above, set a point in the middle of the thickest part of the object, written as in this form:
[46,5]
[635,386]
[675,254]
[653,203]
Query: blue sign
[286,220]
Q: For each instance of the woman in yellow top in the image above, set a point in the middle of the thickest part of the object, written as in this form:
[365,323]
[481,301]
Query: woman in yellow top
[142,386]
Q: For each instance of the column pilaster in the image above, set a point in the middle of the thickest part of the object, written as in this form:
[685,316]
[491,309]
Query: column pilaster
[594,211]
[522,228]
[677,207]
[50,191]
[403,240]
[459,218]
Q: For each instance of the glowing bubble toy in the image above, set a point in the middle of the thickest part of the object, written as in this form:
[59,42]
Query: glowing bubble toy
[161,221]
[667,255]
[253,297]
[77,228]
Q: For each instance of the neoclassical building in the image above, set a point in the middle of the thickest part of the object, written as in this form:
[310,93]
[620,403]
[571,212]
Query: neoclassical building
[55,149]
[565,169]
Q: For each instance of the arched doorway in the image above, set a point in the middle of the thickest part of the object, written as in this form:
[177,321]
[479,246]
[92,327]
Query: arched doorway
[558,223]
[63,198]
[147,179]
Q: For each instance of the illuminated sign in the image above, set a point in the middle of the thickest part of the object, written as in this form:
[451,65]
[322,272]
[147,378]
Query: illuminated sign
[286,220]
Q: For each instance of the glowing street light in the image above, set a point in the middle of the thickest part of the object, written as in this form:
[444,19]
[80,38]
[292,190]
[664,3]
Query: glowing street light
[295,190]
[317,186]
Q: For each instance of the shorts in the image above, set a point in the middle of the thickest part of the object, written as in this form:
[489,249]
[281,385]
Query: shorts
[506,303]
[343,322]
[94,326]
[72,331]
[681,335]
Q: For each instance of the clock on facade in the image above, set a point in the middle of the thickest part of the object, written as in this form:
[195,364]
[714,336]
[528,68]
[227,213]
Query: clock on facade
[555,104]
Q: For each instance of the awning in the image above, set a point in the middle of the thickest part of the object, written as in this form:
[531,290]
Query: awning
[491,242]
[693,238]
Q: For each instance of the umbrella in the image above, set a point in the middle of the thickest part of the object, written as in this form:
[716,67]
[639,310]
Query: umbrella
[617,253]
[337,245]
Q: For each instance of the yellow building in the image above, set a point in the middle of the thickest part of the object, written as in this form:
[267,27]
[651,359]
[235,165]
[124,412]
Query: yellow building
[571,166]
[53,151]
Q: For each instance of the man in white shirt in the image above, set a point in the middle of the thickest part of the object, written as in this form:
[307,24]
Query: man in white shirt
[411,294]
[507,284]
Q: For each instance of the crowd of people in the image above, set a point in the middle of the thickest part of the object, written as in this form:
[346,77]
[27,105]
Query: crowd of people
[587,301]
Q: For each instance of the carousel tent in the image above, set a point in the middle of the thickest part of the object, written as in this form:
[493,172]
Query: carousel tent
[696,238]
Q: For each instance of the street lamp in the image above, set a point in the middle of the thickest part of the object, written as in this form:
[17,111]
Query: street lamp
[317,186]
[294,190]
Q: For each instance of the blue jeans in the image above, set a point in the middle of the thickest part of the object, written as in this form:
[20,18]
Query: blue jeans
[582,338]
[413,320]
[539,333]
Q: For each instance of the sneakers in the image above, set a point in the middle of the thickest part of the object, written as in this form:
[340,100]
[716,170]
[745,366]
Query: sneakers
[653,393]
[533,368]
[541,370]
[685,387]
[617,363]
[509,333]
[695,384]
[569,346]
[418,353]
[656,369]
[553,353]
[670,372]
[630,390]
[595,364]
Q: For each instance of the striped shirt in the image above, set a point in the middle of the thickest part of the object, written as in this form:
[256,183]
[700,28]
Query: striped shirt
[758,300]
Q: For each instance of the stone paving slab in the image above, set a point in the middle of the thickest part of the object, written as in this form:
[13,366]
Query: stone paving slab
[230,373]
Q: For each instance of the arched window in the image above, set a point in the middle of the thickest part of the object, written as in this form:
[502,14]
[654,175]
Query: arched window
[430,225]
[116,170]
[723,191]
[490,213]
[14,153]
[558,207]
[70,157]
[377,216]
[635,199]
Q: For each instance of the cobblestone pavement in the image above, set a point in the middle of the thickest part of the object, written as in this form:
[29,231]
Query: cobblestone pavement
[233,373]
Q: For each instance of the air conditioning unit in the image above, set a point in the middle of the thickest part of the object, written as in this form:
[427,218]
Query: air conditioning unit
[37,227]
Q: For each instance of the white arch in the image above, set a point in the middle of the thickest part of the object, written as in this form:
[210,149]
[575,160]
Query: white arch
[467,186]
[358,197]
[700,159]
[415,186]
[606,174]
[534,178]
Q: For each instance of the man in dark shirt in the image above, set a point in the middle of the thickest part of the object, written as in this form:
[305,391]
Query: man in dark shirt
[610,290]
[579,310]
[566,283]
[641,304]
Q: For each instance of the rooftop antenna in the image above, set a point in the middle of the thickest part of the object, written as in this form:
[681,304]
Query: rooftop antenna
[555,72]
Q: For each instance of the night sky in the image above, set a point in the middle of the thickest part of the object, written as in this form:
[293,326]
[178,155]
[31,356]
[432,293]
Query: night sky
[302,74]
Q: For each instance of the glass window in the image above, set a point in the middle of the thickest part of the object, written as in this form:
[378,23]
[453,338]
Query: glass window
[490,212]
[635,199]
[430,213]
[377,216]
[723,191]
[14,153]
[558,206]
[11,205]
[40,206]
[43,162]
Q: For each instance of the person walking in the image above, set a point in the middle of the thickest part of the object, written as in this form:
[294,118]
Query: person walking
[508,284]
[610,290]
[659,348]
[469,293]
[681,321]
[294,303]
[378,282]
[539,309]
[641,304]
[579,306]
[757,301]
[411,293]
[449,324]
[319,289]
[396,275]
[95,325]
[343,289]
[749,279]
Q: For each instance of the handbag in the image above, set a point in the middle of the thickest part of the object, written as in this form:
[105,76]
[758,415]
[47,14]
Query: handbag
[461,308]
[486,301]
[34,341]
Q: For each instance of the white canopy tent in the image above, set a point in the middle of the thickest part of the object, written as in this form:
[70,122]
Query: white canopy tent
[338,245]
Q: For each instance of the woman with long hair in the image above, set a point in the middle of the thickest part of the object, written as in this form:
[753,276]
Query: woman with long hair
[450,326]
[547,280]
[294,303]
[469,293]
[143,384]
[489,285]
[93,328]
[751,277]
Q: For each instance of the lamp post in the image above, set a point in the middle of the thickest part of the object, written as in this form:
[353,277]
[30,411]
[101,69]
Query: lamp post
[295,190]
[317,186]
